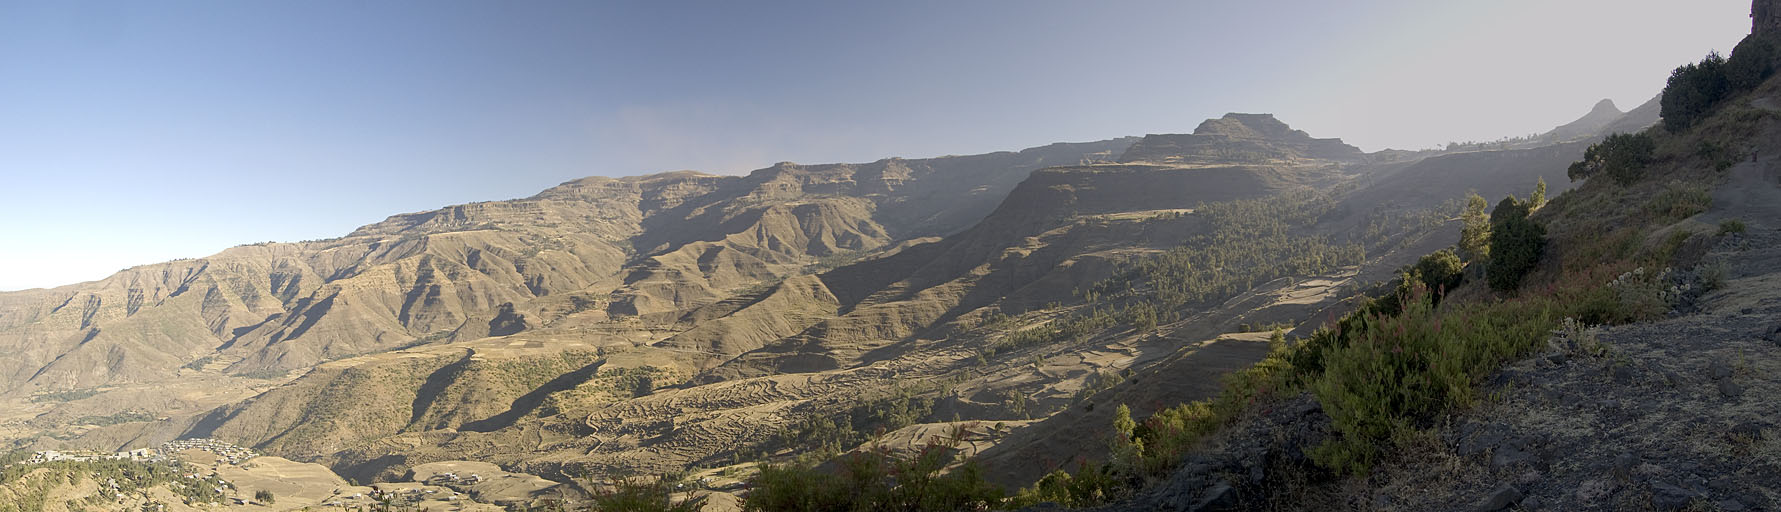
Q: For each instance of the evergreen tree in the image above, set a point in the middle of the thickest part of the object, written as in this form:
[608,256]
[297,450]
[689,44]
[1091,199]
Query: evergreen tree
[1474,234]
[1539,198]
[1516,244]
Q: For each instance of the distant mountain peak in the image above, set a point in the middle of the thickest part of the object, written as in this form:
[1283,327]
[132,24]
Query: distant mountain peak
[1606,106]
[1600,116]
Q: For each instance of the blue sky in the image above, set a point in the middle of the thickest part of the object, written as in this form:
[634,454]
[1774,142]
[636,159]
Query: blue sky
[136,132]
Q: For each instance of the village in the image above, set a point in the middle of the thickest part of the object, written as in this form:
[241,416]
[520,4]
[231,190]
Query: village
[227,452]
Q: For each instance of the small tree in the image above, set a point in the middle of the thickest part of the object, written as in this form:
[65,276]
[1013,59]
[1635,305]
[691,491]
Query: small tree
[1122,421]
[1440,271]
[644,386]
[1516,244]
[1474,234]
[265,496]
[1539,198]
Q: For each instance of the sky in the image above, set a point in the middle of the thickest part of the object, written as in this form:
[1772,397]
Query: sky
[137,132]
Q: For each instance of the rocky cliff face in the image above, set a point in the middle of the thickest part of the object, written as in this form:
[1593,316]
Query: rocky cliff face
[1765,17]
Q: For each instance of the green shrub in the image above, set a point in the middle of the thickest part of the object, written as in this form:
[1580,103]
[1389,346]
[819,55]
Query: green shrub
[1089,486]
[265,496]
[64,396]
[1516,244]
[875,481]
[1679,201]
[1751,63]
[1731,226]
[1692,91]
[1439,271]
[1400,370]
[647,495]
[1621,156]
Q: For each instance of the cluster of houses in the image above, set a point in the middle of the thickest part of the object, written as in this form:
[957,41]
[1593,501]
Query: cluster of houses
[227,451]
[444,479]
[140,455]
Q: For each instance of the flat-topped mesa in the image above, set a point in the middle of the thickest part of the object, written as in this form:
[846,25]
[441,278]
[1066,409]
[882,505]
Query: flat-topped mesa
[1239,138]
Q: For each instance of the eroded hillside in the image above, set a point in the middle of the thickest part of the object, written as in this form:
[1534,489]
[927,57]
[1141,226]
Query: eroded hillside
[689,321]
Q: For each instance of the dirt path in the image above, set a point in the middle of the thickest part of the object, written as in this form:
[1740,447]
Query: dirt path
[1752,194]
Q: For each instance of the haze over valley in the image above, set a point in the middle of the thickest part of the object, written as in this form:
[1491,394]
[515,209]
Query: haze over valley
[1241,313]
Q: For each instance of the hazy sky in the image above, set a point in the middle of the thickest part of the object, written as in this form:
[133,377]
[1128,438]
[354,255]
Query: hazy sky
[135,132]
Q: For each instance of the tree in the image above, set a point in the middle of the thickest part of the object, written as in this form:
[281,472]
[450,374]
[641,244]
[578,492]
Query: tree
[1122,421]
[644,386]
[265,496]
[1440,271]
[1621,156]
[1539,198]
[1474,234]
[1751,63]
[1692,91]
[1516,244]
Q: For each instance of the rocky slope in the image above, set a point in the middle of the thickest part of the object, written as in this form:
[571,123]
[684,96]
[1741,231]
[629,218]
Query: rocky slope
[674,321]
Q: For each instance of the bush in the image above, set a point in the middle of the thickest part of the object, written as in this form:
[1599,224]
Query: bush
[1621,156]
[1752,62]
[1439,271]
[646,495]
[1089,486]
[265,496]
[875,481]
[1679,201]
[1692,91]
[1400,370]
[1731,226]
[1516,244]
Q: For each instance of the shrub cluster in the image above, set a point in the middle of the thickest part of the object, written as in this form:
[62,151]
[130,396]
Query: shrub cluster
[875,481]
[1694,89]
[1621,156]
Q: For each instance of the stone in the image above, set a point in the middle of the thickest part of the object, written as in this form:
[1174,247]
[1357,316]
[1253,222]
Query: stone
[1671,377]
[1487,438]
[1670,497]
[1623,375]
[1509,456]
[1530,478]
[1719,370]
[1624,465]
[1219,497]
[1747,431]
[1730,389]
[1501,499]
[1730,506]
[1558,357]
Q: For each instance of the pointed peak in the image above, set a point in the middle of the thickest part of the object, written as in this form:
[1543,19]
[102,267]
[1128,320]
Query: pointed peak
[1606,105]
